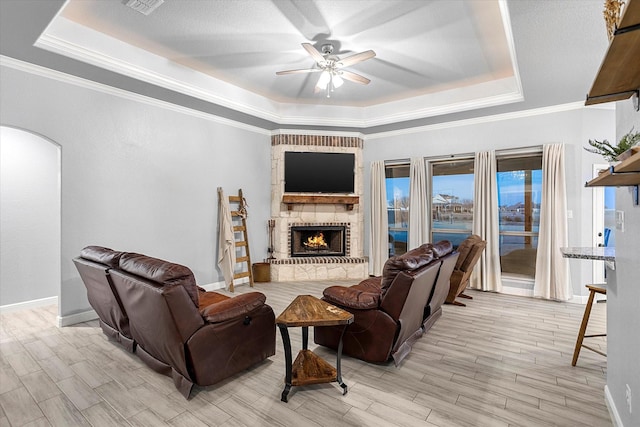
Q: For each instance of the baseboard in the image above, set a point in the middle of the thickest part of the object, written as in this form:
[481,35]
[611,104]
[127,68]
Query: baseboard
[521,292]
[72,319]
[222,285]
[611,406]
[28,304]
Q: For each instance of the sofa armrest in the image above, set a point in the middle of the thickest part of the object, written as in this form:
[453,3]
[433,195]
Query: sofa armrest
[233,308]
[351,297]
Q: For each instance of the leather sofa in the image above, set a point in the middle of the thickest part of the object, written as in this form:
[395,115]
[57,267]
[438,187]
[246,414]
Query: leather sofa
[179,330]
[94,264]
[392,311]
[470,251]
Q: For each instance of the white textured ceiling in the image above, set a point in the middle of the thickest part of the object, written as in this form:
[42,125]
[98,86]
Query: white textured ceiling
[433,57]
[558,46]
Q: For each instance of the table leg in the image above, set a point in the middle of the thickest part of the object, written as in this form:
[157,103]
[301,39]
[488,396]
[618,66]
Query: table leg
[338,369]
[305,337]
[284,331]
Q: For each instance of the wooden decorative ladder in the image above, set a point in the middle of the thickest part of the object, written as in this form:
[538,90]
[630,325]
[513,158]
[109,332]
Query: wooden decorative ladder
[239,220]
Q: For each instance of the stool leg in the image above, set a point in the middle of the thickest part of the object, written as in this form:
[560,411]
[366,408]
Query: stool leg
[583,328]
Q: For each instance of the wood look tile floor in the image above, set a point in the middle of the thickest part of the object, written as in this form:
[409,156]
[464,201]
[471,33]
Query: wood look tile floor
[500,361]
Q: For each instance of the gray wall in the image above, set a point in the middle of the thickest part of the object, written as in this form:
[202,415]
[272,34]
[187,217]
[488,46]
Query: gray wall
[139,177]
[573,127]
[29,217]
[623,295]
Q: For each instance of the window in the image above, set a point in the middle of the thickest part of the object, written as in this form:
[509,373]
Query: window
[397,183]
[451,200]
[519,195]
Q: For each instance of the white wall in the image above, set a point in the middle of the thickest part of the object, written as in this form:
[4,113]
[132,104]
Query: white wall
[573,126]
[623,296]
[29,217]
[137,176]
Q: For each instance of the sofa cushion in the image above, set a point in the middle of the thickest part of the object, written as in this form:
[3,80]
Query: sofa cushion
[352,297]
[442,248]
[101,255]
[233,308]
[205,298]
[370,284]
[412,260]
[162,272]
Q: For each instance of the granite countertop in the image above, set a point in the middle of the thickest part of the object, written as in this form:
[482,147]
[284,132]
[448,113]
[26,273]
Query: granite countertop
[595,253]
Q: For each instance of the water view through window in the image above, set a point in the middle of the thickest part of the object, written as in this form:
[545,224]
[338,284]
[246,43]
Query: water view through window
[397,183]
[519,185]
[519,195]
[451,200]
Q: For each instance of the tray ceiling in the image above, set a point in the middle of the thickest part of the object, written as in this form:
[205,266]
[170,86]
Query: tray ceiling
[432,57]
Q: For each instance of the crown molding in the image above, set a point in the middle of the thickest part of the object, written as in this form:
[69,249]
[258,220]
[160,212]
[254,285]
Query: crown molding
[483,119]
[38,70]
[65,37]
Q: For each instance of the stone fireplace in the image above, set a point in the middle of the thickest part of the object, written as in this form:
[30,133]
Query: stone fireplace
[316,236]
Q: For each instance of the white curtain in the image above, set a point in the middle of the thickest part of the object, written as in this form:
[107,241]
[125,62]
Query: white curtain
[486,275]
[418,207]
[226,242]
[552,270]
[379,227]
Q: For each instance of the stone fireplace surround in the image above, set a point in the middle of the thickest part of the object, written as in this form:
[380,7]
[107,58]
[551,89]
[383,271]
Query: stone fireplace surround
[286,268]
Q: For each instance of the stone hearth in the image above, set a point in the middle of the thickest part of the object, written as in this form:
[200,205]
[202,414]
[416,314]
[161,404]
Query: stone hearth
[285,267]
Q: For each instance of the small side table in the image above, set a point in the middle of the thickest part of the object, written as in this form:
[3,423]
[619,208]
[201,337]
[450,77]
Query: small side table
[309,368]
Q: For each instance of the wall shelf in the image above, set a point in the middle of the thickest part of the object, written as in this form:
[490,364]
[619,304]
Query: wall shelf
[619,74]
[348,201]
[625,173]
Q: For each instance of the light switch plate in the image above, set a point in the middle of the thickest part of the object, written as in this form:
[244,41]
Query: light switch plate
[620,221]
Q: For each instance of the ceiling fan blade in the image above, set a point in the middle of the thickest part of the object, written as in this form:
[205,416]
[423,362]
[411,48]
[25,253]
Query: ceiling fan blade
[358,57]
[353,77]
[306,70]
[317,56]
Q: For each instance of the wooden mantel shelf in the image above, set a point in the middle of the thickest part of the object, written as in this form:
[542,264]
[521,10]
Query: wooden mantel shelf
[348,201]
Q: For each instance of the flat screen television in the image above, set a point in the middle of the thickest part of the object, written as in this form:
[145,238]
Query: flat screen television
[312,172]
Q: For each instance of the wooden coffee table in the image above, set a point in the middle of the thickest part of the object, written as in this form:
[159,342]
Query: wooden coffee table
[309,368]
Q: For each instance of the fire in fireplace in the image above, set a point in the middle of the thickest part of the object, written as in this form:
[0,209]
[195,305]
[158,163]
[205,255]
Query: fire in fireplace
[317,241]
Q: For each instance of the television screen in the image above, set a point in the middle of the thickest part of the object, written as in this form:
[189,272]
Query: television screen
[306,172]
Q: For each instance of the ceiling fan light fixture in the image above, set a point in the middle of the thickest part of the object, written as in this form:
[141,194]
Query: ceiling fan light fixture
[330,68]
[323,81]
[337,81]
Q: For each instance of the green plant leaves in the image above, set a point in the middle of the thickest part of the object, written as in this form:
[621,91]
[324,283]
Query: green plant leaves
[611,152]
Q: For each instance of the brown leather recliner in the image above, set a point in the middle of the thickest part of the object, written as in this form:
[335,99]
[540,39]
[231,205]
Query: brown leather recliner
[470,251]
[94,264]
[176,336]
[391,312]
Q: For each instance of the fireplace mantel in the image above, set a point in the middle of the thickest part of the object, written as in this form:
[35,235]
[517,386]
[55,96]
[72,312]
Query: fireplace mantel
[348,201]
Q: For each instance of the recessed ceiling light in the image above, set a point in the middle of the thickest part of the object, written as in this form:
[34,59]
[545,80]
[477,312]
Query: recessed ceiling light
[144,6]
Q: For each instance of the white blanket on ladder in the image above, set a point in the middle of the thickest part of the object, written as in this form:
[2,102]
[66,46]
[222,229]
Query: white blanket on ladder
[226,244]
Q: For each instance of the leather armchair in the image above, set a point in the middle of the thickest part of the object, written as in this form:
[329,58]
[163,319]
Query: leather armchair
[392,311]
[470,251]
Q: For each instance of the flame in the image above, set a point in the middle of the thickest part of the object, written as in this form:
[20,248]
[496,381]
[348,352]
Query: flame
[316,241]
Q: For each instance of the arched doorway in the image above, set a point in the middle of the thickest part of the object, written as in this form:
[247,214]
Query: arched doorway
[30,218]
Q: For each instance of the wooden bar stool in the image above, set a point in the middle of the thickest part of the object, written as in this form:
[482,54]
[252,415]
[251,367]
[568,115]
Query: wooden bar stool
[593,289]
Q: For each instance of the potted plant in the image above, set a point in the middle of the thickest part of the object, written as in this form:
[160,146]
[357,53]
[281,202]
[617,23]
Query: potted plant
[611,152]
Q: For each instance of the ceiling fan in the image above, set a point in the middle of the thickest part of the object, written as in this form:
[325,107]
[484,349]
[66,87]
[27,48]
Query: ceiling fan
[331,68]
